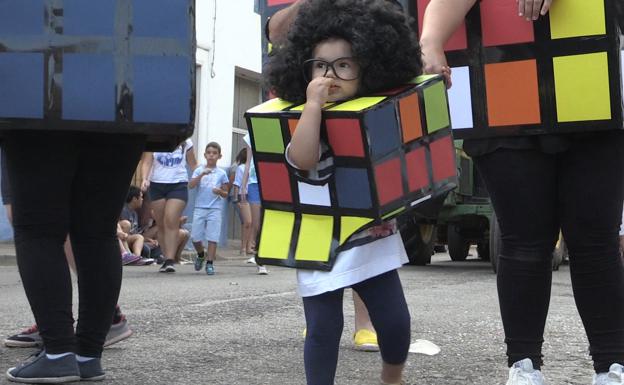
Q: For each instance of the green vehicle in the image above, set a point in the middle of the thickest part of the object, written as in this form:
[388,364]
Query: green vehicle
[458,220]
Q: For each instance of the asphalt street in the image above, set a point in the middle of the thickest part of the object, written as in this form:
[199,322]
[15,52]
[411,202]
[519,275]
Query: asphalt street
[240,328]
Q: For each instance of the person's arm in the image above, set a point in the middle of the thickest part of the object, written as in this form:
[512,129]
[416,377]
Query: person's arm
[222,191]
[197,178]
[147,159]
[191,160]
[279,24]
[243,186]
[303,150]
[442,18]
[532,9]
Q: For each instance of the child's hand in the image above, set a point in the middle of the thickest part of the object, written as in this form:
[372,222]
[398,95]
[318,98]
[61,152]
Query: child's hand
[318,90]
[434,62]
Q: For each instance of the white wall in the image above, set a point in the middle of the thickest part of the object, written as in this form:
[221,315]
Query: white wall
[235,42]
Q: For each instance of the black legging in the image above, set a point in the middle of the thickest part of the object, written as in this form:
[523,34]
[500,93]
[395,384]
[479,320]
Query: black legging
[384,299]
[534,195]
[70,183]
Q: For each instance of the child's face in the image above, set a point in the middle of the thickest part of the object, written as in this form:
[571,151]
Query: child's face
[334,59]
[212,155]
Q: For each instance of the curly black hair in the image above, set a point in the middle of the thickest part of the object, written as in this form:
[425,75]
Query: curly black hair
[381,37]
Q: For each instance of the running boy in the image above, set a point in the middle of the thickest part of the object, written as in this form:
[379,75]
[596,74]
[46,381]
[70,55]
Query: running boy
[213,189]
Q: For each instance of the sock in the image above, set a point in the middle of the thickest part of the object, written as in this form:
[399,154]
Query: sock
[200,255]
[80,358]
[209,262]
[57,356]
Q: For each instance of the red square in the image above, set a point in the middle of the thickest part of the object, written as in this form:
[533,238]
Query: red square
[457,41]
[417,172]
[345,137]
[388,180]
[272,3]
[274,182]
[443,159]
[500,24]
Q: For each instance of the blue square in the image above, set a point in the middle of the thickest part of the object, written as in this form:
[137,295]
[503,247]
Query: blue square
[21,17]
[353,188]
[21,85]
[161,18]
[88,18]
[383,130]
[88,87]
[162,89]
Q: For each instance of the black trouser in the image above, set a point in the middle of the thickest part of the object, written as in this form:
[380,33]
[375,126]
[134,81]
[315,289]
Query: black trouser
[534,195]
[70,183]
[384,299]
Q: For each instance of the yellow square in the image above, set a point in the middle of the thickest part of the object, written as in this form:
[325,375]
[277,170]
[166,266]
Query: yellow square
[358,104]
[277,228]
[582,87]
[315,238]
[575,18]
[272,105]
[349,225]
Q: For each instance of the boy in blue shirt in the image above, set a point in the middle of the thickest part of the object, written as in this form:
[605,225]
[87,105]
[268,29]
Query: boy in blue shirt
[213,186]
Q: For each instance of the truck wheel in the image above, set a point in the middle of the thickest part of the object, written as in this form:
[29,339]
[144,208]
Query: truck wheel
[418,240]
[495,241]
[458,246]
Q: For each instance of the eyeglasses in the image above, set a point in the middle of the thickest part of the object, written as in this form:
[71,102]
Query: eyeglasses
[345,68]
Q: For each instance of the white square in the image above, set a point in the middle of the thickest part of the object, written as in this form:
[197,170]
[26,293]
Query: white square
[314,195]
[460,103]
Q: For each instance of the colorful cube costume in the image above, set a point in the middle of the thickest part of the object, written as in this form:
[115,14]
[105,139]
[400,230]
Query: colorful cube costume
[560,74]
[118,66]
[391,150]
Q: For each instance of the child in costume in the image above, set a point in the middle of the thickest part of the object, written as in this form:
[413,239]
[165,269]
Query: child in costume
[337,50]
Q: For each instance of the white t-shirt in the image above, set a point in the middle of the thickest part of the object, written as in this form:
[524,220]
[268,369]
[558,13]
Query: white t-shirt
[252,169]
[205,198]
[354,265]
[238,176]
[170,167]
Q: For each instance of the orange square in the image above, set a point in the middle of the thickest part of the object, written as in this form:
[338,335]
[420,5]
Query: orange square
[292,125]
[410,118]
[512,93]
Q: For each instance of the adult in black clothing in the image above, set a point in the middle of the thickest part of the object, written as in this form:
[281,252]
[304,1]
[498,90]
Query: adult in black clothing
[538,185]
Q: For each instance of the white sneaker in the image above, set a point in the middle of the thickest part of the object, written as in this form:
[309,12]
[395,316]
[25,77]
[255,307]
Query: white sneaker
[251,260]
[522,373]
[614,377]
[262,270]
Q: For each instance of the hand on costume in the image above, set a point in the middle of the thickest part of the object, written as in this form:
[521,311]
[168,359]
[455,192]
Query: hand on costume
[318,90]
[532,9]
[434,62]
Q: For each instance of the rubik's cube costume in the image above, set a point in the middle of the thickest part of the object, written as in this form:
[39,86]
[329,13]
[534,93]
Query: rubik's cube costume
[114,66]
[559,74]
[391,152]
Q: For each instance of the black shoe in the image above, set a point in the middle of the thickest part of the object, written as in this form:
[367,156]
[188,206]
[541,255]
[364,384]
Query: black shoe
[38,369]
[91,370]
[167,267]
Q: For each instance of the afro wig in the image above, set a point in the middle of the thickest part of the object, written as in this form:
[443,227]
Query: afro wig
[381,38]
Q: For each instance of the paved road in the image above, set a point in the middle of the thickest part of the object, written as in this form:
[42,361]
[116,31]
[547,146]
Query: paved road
[240,328]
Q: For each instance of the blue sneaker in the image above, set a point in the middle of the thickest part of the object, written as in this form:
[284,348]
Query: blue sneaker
[199,263]
[38,368]
[210,269]
[91,370]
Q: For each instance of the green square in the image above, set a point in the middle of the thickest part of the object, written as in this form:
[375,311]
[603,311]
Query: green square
[267,134]
[436,108]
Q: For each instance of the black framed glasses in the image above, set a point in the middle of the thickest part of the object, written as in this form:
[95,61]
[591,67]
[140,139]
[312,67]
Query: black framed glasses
[344,68]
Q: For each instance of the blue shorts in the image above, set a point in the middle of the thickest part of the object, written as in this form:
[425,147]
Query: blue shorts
[159,191]
[253,194]
[206,225]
